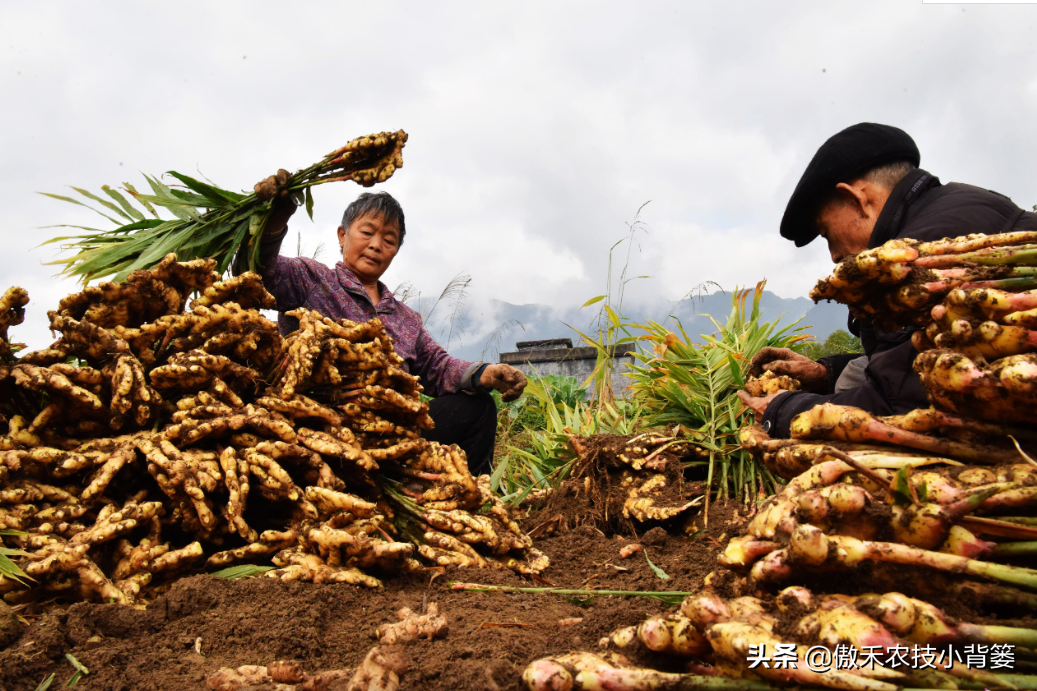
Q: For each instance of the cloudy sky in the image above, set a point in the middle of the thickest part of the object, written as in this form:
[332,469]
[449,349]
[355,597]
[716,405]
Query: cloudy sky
[536,129]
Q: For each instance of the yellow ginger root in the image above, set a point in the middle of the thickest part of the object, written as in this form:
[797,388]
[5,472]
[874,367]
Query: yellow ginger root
[353,378]
[731,641]
[112,523]
[131,393]
[12,312]
[380,671]
[131,559]
[446,468]
[845,423]
[770,383]
[330,501]
[479,529]
[336,447]
[235,477]
[325,477]
[270,542]
[324,347]
[447,550]
[271,475]
[88,341]
[94,584]
[379,397]
[25,491]
[258,419]
[973,338]
[286,675]
[533,562]
[198,327]
[55,384]
[887,264]
[777,515]
[143,297]
[185,476]
[196,274]
[99,483]
[298,566]
[246,676]
[412,626]
[372,158]
[300,407]
[397,451]
[974,242]
[195,370]
[1002,392]
[257,349]
[368,422]
[497,509]
[353,546]
[58,352]
[203,412]
[642,501]
[218,393]
[177,559]
[302,349]
[673,634]
[246,290]
[87,377]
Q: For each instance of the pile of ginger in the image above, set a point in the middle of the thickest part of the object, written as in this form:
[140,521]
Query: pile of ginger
[162,435]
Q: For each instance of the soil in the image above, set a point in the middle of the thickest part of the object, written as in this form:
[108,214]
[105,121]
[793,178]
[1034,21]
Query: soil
[609,468]
[492,636]
[327,627]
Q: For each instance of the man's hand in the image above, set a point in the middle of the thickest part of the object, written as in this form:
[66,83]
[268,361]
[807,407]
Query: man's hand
[504,378]
[812,376]
[758,404]
[272,189]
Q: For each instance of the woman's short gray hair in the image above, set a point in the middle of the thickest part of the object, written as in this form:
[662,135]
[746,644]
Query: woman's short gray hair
[376,204]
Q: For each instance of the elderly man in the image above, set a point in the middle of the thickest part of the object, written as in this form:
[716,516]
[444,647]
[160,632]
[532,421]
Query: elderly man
[862,188]
[371,234]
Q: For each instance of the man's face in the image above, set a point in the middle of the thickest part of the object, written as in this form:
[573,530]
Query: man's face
[369,246]
[846,229]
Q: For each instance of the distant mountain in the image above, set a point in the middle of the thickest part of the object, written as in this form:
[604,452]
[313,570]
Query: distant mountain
[543,321]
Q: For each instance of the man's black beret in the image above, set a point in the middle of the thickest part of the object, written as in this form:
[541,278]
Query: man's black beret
[844,157]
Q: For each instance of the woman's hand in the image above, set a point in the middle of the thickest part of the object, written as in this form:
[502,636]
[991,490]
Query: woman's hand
[812,376]
[282,205]
[504,378]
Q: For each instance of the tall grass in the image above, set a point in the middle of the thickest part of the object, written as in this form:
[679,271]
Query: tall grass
[608,326]
[536,453]
[688,386]
[693,386]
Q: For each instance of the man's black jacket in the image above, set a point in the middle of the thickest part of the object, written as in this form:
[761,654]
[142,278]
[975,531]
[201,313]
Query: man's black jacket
[919,207]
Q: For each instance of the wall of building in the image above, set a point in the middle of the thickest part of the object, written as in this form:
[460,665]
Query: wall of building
[572,362]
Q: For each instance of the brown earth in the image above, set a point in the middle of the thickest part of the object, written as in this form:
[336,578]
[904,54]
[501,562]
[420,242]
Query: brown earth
[326,627]
[260,620]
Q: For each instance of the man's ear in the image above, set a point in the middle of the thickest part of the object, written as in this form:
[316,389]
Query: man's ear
[854,195]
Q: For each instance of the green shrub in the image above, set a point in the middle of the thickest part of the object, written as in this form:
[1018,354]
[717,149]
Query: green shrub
[837,343]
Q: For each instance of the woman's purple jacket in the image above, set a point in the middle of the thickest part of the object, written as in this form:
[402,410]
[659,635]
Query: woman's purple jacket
[337,293]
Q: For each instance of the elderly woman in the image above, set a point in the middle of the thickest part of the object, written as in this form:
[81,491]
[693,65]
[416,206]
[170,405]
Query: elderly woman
[371,234]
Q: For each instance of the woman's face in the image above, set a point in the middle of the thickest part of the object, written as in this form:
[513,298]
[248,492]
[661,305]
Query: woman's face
[368,246]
